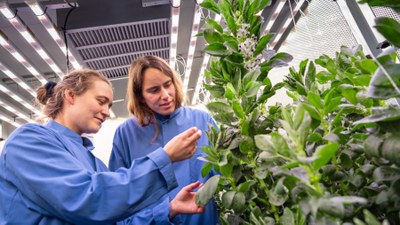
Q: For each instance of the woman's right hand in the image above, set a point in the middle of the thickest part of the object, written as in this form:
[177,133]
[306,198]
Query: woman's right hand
[183,145]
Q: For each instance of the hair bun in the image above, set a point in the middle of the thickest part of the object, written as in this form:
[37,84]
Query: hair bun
[49,87]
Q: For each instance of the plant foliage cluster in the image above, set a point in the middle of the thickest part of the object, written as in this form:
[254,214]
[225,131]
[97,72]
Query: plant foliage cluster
[332,157]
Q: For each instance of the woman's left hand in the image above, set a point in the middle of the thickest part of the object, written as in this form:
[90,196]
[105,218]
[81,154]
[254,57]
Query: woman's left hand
[184,201]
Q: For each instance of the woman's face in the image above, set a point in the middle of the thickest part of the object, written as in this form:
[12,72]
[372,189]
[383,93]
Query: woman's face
[91,109]
[158,92]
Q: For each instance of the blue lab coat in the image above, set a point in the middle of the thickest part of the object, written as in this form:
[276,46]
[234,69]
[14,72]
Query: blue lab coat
[49,176]
[131,141]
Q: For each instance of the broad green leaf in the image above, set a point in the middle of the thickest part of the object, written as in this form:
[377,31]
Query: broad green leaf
[226,170]
[232,44]
[391,149]
[215,90]
[368,66]
[219,107]
[386,173]
[370,218]
[349,200]
[280,144]
[256,6]
[279,193]
[243,187]
[205,170]
[303,67]
[324,77]
[329,207]
[264,142]
[212,36]
[314,113]
[235,58]
[262,43]
[225,8]
[237,108]
[210,5]
[246,145]
[230,92]
[332,105]
[279,60]
[206,192]
[324,154]
[250,76]
[390,29]
[381,115]
[381,87]
[234,200]
[216,49]
[287,218]
[212,23]
[350,95]
[239,202]
[252,89]
[310,76]
[315,100]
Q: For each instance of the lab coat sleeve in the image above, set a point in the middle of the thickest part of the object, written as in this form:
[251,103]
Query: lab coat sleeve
[155,214]
[118,157]
[54,180]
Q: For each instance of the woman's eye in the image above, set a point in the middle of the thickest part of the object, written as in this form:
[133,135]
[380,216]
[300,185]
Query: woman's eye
[167,84]
[154,90]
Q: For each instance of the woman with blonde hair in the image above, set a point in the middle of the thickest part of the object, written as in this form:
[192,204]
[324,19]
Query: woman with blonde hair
[49,176]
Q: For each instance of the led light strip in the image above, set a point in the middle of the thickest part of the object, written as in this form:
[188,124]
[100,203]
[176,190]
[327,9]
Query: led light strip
[20,82]
[274,15]
[7,45]
[174,32]
[8,120]
[287,22]
[206,58]
[26,34]
[192,47]
[8,107]
[19,99]
[50,28]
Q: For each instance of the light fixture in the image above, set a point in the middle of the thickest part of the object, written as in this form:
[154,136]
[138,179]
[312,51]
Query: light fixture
[274,14]
[192,47]
[12,50]
[8,107]
[20,99]
[287,22]
[22,29]
[200,79]
[15,78]
[50,28]
[176,3]
[8,120]
[174,32]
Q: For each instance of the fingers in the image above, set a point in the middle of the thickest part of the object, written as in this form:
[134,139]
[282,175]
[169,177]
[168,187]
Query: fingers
[192,186]
[195,136]
[189,132]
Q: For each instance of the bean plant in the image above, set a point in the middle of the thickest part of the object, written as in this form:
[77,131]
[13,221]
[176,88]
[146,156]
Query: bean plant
[331,157]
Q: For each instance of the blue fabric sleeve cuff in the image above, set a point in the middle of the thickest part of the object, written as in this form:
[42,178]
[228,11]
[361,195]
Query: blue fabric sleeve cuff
[161,214]
[164,164]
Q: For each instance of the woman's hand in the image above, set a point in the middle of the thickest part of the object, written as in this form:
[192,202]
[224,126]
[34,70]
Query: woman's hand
[184,201]
[183,145]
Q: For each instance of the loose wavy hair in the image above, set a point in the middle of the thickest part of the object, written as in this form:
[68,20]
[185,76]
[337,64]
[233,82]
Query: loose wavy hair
[136,105]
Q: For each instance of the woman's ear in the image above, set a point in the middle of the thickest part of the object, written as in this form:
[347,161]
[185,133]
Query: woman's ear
[69,96]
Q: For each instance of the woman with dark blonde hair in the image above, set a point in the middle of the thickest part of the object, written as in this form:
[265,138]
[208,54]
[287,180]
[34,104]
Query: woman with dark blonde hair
[49,176]
[155,101]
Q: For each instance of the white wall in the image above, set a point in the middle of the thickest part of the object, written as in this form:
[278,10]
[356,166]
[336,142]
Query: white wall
[104,138]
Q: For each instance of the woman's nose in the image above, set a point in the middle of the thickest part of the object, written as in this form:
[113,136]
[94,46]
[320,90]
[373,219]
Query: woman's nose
[164,93]
[106,112]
